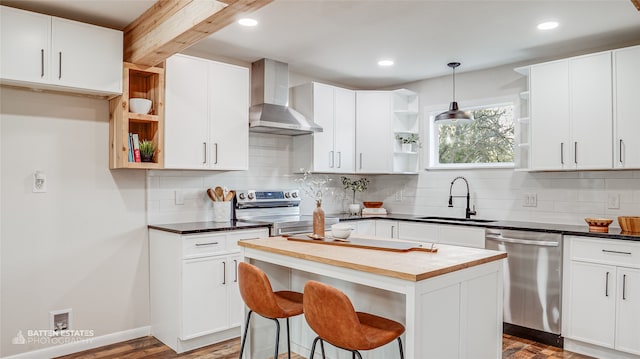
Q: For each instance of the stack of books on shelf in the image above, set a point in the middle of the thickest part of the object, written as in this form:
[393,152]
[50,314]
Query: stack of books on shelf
[134,147]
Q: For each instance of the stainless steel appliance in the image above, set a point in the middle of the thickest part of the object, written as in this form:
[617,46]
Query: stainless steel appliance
[280,208]
[532,283]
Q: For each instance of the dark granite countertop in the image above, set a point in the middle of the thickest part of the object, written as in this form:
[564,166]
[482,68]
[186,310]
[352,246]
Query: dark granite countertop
[565,229]
[575,230]
[200,227]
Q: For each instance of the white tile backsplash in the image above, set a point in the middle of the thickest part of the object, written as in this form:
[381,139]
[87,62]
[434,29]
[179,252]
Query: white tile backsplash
[563,197]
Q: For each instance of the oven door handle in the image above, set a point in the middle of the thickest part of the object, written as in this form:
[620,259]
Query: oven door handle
[500,238]
[282,231]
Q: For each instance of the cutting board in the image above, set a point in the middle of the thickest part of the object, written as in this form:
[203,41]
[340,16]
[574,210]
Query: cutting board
[365,243]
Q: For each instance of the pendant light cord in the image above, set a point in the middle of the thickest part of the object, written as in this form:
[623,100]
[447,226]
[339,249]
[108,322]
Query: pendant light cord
[454,84]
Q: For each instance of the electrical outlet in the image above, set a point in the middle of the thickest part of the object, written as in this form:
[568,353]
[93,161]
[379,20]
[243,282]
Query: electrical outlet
[179,198]
[60,320]
[613,202]
[399,195]
[530,200]
[39,182]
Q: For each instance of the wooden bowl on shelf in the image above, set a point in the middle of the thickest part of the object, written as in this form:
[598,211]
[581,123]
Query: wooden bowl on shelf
[600,225]
[629,224]
[372,204]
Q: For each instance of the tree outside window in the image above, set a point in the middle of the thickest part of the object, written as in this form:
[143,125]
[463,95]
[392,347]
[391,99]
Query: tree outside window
[486,142]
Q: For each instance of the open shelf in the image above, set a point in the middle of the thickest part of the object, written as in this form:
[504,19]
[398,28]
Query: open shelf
[138,82]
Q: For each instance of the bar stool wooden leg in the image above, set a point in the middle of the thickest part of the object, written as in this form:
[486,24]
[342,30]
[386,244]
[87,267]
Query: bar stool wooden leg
[244,336]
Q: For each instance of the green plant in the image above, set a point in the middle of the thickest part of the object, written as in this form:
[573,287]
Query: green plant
[356,185]
[408,139]
[147,148]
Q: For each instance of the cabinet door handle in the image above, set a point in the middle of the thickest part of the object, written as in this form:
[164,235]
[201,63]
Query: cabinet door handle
[224,272]
[331,160]
[216,161]
[360,160]
[606,285]
[205,152]
[41,62]
[339,159]
[59,65]
[620,150]
[561,152]
[575,152]
[235,264]
[624,287]
[206,244]
[392,228]
[616,252]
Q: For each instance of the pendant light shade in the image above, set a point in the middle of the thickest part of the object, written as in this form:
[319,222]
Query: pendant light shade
[454,115]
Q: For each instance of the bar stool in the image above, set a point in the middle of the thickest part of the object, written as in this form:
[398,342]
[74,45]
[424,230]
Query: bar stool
[330,314]
[259,297]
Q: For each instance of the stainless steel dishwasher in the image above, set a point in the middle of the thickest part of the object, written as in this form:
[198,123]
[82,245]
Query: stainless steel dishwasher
[532,283]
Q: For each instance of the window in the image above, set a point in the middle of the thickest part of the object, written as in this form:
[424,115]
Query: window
[486,142]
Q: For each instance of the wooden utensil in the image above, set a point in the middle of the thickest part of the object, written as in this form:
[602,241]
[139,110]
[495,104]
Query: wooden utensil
[211,194]
[219,193]
[229,196]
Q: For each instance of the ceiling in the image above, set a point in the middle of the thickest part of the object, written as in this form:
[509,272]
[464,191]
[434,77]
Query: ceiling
[341,41]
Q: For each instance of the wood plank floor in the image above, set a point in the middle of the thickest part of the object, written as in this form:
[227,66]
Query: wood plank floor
[151,348]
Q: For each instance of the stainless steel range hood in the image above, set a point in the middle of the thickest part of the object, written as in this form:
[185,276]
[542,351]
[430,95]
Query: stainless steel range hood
[269,111]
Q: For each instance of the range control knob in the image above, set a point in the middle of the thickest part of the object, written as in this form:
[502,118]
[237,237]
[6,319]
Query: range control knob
[294,194]
[250,196]
[241,196]
[287,195]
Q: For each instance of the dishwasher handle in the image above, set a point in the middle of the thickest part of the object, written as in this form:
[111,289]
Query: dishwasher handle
[500,238]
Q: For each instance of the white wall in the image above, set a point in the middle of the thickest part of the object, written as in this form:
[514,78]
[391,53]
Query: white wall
[81,245]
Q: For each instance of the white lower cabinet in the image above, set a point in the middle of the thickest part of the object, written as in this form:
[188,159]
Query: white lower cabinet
[386,228]
[440,233]
[367,227]
[601,305]
[195,299]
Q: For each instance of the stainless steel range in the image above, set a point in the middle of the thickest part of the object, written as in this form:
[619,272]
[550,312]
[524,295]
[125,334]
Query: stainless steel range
[280,208]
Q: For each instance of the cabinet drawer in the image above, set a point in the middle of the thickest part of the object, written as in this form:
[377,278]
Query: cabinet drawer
[235,236]
[202,245]
[616,252]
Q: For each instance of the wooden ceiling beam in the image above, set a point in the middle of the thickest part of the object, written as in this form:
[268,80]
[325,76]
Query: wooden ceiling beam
[636,3]
[171,26]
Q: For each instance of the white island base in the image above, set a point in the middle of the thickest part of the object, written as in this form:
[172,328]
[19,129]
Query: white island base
[450,302]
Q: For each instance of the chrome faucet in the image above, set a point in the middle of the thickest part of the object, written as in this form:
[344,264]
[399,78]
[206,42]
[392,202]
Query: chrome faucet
[468,211]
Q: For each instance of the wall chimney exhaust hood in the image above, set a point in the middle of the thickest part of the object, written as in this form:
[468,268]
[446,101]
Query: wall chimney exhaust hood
[269,111]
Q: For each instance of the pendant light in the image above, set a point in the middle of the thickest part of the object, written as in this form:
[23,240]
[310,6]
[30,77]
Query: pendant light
[454,116]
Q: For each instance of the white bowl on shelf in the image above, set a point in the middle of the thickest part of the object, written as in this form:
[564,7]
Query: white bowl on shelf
[341,230]
[139,105]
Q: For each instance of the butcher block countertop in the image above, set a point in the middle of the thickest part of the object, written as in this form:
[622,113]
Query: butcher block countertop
[411,266]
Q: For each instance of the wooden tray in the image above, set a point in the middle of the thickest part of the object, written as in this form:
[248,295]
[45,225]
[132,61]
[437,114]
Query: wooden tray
[365,243]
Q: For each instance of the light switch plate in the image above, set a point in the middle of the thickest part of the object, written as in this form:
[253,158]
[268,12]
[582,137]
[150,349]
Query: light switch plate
[613,202]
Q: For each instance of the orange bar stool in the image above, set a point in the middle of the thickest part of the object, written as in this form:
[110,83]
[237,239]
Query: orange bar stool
[259,297]
[331,315]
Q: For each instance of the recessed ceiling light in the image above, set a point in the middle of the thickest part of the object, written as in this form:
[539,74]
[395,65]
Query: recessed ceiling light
[549,25]
[385,63]
[248,22]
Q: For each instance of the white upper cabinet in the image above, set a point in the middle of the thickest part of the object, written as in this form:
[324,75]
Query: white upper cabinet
[571,104]
[374,139]
[206,115]
[228,116]
[24,45]
[590,111]
[186,113]
[53,53]
[626,120]
[333,108]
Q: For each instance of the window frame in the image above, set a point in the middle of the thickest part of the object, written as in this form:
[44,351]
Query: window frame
[432,157]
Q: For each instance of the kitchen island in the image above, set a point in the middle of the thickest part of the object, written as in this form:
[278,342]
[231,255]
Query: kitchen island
[450,301]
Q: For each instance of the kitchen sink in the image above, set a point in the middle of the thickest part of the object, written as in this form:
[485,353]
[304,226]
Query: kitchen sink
[455,219]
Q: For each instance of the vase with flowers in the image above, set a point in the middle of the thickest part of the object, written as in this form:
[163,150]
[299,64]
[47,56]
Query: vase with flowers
[355,185]
[315,186]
